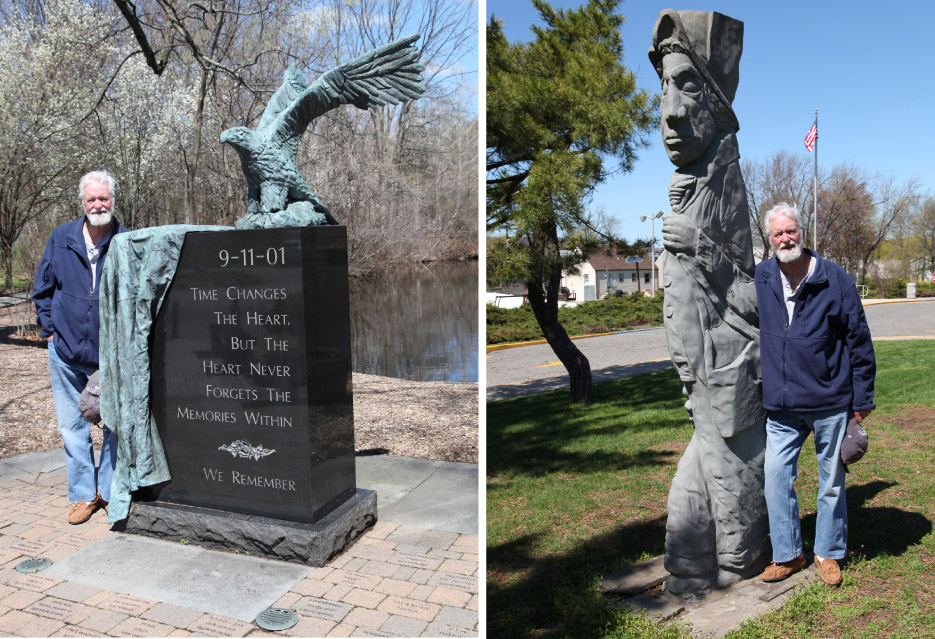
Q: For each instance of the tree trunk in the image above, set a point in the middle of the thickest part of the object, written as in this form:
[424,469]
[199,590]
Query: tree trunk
[196,150]
[7,258]
[545,308]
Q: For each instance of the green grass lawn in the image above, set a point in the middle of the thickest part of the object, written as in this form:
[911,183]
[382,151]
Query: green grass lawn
[577,493]
[18,283]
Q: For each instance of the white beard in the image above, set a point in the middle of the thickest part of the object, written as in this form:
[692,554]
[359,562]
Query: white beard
[791,254]
[100,217]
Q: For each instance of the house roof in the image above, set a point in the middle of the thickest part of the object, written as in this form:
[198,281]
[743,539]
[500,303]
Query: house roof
[601,262]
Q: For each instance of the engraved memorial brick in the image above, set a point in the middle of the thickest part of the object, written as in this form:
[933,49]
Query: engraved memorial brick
[77,631]
[55,608]
[29,547]
[415,561]
[366,582]
[127,604]
[218,626]
[458,582]
[135,627]
[447,630]
[322,608]
[7,555]
[409,608]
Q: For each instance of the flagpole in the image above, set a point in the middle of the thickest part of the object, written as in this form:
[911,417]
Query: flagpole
[815,239]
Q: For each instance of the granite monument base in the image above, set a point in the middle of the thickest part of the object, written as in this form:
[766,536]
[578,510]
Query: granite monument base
[312,544]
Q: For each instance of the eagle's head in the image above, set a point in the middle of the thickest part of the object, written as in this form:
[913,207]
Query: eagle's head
[239,137]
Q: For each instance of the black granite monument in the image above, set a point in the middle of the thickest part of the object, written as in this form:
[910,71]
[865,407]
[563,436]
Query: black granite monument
[251,392]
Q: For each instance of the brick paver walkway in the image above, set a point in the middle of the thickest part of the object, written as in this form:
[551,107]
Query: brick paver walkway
[396,581]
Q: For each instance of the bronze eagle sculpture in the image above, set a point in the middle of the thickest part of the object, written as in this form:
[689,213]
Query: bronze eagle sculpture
[277,194]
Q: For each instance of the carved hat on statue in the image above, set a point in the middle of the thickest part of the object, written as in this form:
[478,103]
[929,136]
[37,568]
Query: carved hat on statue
[713,41]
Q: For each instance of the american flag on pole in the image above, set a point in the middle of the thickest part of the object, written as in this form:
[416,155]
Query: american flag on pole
[811,137]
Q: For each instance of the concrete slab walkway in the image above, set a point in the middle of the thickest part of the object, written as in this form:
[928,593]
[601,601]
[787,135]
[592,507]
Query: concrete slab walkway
[413,574]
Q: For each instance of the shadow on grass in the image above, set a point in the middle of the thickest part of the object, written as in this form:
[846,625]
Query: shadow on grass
[560,382]
[544,433]
[540,460]
[8,336]
[556,596]
[875,530]
[881,530]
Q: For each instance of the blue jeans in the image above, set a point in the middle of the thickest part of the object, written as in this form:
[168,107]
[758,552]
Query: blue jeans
[85,482]
[785,433]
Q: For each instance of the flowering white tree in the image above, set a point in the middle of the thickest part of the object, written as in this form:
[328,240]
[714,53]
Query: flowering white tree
[205,42]
[146,121]
[48,88]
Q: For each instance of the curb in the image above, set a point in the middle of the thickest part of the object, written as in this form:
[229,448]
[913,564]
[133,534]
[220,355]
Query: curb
[903,300]
[500,347]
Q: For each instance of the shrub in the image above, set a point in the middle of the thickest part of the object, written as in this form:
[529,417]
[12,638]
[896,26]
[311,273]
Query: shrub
[893,288]
[925,289]
[519,324]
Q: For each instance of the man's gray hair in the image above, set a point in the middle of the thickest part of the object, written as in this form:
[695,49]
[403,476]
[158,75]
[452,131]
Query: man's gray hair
[99,177]
[790,211]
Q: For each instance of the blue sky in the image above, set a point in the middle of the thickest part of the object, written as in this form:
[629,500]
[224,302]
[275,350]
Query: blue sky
[863,65]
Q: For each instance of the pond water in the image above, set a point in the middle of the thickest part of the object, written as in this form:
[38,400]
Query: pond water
[418,323]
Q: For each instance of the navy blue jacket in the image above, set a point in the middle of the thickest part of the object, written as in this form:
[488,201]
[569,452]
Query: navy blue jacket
[824,360]
[65,304]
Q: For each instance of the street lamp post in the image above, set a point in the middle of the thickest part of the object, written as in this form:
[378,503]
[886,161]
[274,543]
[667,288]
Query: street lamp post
[610,319]
[652,250]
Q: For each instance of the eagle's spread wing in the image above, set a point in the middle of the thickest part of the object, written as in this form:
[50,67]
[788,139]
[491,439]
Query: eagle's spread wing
[387,75]
[293,84]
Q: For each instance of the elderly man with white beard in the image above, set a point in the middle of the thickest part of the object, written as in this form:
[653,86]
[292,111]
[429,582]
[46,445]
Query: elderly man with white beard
[66,297]
[818,370]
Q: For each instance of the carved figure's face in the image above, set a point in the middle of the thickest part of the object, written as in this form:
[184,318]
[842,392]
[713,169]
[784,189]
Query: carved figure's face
[688,127]
[98,203]
[785,236]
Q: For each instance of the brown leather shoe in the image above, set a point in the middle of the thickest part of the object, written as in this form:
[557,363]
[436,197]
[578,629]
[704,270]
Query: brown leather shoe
[778,572]
[829,571]
[82,511]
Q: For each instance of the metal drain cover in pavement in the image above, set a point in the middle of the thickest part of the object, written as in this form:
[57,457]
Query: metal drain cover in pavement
[277,619]
[34,565]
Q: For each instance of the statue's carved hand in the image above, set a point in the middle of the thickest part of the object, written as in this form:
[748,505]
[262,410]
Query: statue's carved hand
[678,233]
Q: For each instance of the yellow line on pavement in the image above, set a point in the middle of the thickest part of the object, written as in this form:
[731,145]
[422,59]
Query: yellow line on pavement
[499,347]
[874,302]
[549,364]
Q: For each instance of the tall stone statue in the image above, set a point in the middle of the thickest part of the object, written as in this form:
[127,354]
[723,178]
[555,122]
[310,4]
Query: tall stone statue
[278,195]
[717,529]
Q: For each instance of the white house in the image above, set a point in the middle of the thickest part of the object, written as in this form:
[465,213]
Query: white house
[614,273]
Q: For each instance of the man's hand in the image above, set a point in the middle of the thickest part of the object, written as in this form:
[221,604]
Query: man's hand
[861,415]
[49,338]
[678,233]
